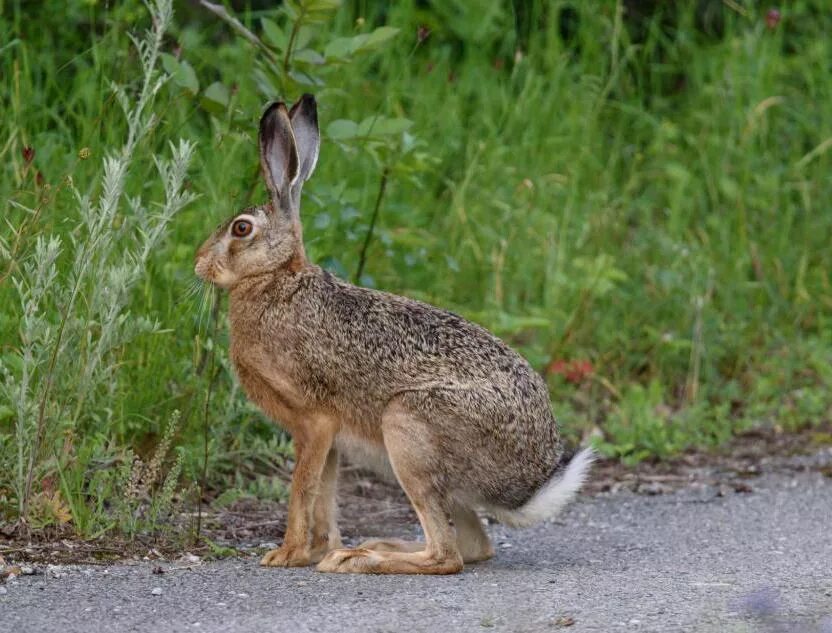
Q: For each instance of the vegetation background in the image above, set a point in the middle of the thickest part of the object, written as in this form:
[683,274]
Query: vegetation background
[636,195]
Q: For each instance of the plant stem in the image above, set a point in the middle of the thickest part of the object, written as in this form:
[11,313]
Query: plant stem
[222,13]
[382,186]
[204,475]
[292,37]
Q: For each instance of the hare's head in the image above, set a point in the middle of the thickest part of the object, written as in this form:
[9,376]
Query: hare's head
[268,238]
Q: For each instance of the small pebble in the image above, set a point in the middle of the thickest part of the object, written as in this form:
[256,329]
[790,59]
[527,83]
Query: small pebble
[3,591]
[187,557]
[156,591]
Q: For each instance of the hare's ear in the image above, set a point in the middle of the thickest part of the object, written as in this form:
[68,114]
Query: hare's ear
[278,155]
[304,116]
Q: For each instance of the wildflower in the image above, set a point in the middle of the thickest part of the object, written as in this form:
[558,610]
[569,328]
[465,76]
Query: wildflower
[773,18]
[28,154]
[84,153]
[575,371]
[422,33]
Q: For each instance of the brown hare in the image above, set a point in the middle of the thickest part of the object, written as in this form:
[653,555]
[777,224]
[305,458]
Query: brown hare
[463,421]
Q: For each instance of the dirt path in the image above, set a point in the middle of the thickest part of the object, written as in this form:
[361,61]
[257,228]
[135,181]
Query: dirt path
[698,558]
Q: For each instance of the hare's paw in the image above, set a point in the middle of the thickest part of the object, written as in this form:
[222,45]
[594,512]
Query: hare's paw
[366,561]
[392,545]
[346,561]
[321,548]
[287,556]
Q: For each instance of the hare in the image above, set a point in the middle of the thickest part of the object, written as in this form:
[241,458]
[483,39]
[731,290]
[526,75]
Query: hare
[462,420]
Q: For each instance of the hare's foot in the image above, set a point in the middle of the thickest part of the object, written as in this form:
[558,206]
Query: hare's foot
[471,539]
[366,561]
[322,546]
[287,556]
[391,545]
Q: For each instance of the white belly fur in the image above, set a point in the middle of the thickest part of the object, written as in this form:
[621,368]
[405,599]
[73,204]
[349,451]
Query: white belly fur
[364,454]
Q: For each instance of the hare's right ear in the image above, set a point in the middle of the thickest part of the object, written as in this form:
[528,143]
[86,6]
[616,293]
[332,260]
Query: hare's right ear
[304,116]
[278,155]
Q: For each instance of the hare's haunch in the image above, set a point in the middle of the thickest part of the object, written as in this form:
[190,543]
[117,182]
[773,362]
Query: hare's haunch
[460,419]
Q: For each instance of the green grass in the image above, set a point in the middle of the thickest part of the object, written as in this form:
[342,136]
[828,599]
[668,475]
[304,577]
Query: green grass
[647,196]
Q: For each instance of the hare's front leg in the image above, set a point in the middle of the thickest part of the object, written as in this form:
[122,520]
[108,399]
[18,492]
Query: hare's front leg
[325,533]
[313,443]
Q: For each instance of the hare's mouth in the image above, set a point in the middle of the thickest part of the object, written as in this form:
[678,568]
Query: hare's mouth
[214,273]
[204,269]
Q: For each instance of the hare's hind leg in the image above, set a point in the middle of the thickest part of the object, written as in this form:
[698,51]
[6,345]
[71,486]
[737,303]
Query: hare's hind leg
[414,461]
[471,539]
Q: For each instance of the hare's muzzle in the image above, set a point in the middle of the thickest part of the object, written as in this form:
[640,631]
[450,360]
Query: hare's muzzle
[203,263]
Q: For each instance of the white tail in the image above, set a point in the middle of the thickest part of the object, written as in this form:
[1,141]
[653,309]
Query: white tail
[552,496]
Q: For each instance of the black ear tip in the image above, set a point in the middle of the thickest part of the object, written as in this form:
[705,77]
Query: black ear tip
[275,106]
[307,105]
[270,116]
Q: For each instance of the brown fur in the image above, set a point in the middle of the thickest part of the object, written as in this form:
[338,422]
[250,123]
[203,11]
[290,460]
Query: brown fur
[463,420]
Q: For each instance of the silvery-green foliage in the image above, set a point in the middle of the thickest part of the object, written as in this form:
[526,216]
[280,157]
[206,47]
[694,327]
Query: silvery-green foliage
[74,323]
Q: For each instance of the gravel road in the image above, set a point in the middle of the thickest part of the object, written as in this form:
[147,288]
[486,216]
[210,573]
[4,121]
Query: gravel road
[689,560]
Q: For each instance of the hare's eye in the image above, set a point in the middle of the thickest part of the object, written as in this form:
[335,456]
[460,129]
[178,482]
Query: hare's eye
[241,228]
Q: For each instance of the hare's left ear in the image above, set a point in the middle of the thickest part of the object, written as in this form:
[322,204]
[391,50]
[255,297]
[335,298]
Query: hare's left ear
[279,156]
[304,117]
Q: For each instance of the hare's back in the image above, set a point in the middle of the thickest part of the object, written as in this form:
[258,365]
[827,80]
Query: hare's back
[423,341]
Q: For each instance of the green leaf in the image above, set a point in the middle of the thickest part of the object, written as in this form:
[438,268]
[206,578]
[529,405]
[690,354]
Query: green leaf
[357,41]
[338,48]
[319,11]
[290,8]
[187,77]
[170,64]
[6,413]
[729,188]
[264,84]
[303,37]
[388,126]
[305,79]
[181,72]
[215,99]
[308,56]
[273,34]
[322,220]
[379,36]
[342,129]
[322,5]
[342,47]
[375,126]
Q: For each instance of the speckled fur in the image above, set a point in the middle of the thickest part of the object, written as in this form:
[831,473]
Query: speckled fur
[351,351]
[464,419]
